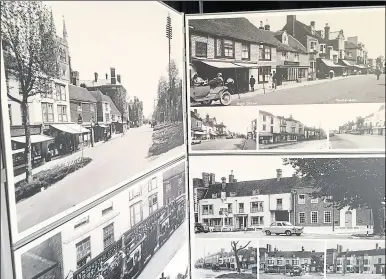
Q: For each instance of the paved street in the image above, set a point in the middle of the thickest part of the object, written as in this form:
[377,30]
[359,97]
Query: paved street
[348,141]
[163,256]
[113,162]
[358,89]
[355,276]
[259,234]
[306,145]
[221,144]
[283,276]
[201,273]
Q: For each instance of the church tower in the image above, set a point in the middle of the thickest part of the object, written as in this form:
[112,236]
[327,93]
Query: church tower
[64,55]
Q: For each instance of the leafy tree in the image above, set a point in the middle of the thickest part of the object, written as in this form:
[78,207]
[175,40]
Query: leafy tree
[380,61]
[353,182]
[360,122]
[30,56]
[236,249]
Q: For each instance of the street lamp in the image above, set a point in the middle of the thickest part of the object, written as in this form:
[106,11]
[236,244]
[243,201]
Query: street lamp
[92,125]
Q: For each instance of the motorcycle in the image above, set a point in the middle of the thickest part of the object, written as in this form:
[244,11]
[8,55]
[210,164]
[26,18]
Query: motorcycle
[205,94]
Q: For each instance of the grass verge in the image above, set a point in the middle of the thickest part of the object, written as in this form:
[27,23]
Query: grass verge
[166,136]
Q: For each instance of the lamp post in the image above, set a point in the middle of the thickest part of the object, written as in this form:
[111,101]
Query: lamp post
[92,125]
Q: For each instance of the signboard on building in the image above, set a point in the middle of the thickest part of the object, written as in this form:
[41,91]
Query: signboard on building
[17,131]
[291,63]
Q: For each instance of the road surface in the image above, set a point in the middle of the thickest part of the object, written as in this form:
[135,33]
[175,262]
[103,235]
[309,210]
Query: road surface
[201,273]
[355,276]
[259,234]
[220,144]
[349,141]
[112,162]
[282,276]
[166,253]
[306,145]
[353,89]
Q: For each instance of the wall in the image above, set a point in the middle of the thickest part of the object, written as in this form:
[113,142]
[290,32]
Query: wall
[287,201]
[199,38]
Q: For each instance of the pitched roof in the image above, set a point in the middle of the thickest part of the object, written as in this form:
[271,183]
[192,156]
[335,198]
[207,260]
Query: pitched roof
[98,96]
[236,28]
[301,30]
[99,82]
[114,109]
[78,93]
[350,45]
[195,116]
[264,186]
[361,253]
[296,254]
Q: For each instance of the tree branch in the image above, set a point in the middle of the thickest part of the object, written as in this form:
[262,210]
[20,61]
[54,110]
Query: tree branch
[14,99]
[243,247]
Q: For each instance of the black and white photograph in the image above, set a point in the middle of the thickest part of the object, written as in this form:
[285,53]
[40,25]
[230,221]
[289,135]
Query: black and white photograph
[86,112]
[355,259]
[285,259]
[232,128]
[287,57]
[224,258]
[178,267]
[356,127]
[132,235]
[292,128]
[288,197]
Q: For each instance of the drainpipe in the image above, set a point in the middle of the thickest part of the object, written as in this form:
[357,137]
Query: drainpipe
[333,216]
[294,205]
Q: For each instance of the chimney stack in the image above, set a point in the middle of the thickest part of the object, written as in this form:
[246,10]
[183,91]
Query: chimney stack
[278,174]
[261,25]
[313,251]
[205,179]
[291,23]
[223,183]
[112,75]
[327,31]
[269,247]
[212,179]
[95,76]
[119,78]
[75,78]
[231,177]
[267,26]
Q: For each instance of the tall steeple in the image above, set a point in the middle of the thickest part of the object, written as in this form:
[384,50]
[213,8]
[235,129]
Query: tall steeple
[64,30]
[52,23]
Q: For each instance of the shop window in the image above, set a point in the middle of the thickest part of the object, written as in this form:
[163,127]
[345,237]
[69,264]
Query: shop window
[201,49]
[263,74]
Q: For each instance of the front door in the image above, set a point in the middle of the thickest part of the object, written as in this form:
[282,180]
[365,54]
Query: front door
[348,219]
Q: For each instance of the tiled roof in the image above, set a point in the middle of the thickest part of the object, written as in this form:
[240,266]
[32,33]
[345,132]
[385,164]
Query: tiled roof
[193,115]
[78,93]
[99,82]
[180,168]
[361,253]
[114,109]
[350,45]
[98,96]
[266,113]
[301,31]
[265,187]
[236,28]
[295,44]
[295,254]
[198,182]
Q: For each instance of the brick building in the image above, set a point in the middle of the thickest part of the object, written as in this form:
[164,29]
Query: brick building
[174,184]
[197,131]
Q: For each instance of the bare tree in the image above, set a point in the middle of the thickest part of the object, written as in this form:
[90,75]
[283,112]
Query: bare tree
[30,56]
[236,249]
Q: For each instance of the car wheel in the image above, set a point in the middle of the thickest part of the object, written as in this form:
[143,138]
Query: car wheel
[226,98]
[267,232]
[298,234]
[288,233]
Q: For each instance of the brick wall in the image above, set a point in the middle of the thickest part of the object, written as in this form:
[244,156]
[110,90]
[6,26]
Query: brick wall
[204,39]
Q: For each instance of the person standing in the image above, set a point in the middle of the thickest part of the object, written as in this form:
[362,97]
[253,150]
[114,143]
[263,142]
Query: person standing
[252,82]
[378,73]
[274,80]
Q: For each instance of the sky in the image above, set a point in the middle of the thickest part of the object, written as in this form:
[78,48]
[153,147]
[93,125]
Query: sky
[178,264]
[244,167]
[239,124]
[367,24]
[355,245]
[210,246]
[309,245]
[129,36]
[309,115]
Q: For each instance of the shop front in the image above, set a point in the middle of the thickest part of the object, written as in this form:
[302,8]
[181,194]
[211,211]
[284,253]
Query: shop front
[328,69]
[291,72]
[102,132]
[265,138]
[198,135]
[349,68]
[361,69]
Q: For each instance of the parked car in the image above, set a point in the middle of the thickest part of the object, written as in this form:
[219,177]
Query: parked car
[196,141]
[200,228]
[283,228]
[229,137]
[296,271]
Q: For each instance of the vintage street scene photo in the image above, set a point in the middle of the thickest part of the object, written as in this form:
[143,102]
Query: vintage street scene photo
[357,126]
[291,198]
[292,127]
[178,267]
[224,258]
[287,58]
[355,259]
[85,111]
[279,259]
[232,128]
[132,235]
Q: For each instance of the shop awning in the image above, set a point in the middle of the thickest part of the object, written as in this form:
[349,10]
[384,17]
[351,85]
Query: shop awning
[246,65]
[330,63]
[220,65]
[70,128]
[347,63]
[360,67]
[34,138]
[213,133]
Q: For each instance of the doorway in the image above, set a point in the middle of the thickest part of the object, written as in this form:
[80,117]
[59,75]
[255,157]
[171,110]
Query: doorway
[281,216]
[348,219]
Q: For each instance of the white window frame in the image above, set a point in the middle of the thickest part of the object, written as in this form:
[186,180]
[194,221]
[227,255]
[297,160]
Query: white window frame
[324,217]
[316,200]
[317,217]
[303,200]
[299,217]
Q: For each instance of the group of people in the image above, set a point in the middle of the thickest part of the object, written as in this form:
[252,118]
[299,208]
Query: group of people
[272,81]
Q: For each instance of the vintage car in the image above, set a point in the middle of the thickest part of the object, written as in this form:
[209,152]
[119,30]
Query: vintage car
[201,228]
[205,94]
[196,141]
[296,271]
[280,227]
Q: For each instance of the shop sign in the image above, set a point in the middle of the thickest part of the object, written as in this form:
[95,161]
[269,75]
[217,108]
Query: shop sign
[17,131]
[291,63]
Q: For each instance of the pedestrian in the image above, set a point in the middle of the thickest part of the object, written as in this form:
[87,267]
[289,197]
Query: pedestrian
[378,73]
[274,80]
[252,82]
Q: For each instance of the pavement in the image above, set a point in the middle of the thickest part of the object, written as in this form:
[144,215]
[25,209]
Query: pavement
[349,141]
[112,162]
[225,144]
[355,276]
[259,234]
[200,273]
[306,145]
[351,89]
[282,276]
[166,253]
